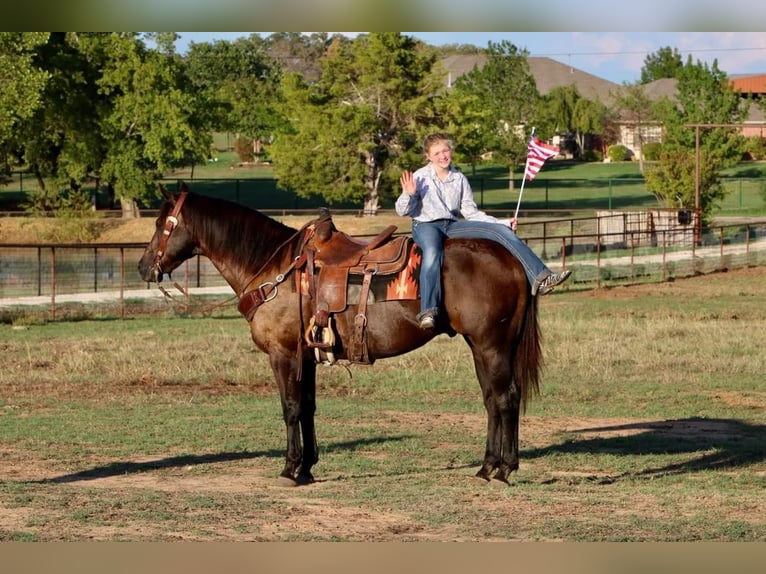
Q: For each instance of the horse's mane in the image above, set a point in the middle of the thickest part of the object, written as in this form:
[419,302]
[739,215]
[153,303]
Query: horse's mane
[233,230]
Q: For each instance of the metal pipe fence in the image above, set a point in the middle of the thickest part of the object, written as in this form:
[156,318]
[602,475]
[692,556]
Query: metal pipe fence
[54,274]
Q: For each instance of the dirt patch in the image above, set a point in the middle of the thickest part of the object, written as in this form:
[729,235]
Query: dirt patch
[305,513]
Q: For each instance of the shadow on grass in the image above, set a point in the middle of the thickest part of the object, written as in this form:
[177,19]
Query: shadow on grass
[717,444]
[129,467]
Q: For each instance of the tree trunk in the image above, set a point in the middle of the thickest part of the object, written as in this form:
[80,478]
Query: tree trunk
[372,199]
[129,208]
[371,203]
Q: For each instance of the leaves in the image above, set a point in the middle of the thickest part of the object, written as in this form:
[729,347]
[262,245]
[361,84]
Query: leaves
[351,128]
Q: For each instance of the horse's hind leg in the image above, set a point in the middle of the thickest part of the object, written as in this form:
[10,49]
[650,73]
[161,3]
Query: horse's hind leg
[502,401]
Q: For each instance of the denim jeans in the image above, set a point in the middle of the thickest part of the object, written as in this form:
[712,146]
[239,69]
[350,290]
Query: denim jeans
[430,236]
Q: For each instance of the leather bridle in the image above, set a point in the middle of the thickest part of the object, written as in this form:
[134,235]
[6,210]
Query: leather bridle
[171,222]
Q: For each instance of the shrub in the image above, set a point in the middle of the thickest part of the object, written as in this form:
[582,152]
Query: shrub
[617,153]
[593,155]
[755,148]
[652,151]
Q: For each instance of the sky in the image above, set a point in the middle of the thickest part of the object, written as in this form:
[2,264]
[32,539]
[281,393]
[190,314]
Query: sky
[614,56]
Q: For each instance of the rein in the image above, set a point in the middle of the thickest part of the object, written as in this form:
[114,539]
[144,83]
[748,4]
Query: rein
[249,301]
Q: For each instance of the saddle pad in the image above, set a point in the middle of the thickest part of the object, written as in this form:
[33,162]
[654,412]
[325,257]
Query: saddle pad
[338,288]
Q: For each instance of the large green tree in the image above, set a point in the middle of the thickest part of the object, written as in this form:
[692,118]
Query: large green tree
[239,84]
[505,90]
[22,83]
[664,63]
[62,142]
[110,109]
[352,130]
[706,114]
[154,122]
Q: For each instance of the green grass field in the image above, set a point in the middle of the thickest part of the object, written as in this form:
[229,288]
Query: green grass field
[559,187]
[650,426]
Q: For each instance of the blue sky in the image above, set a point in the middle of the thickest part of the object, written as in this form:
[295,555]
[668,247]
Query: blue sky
[614,56]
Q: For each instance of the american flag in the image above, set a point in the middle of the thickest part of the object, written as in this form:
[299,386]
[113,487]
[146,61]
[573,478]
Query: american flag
[537,153]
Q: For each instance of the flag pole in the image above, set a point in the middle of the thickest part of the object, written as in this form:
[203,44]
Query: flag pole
[523,180]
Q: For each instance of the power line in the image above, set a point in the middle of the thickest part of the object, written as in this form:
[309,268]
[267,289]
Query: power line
[639,52]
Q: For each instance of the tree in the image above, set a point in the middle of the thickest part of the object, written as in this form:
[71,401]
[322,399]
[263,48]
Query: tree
[21,88]
[638,109]
[664,63]
[672,181]
[153,122]
[505,89]
[560,103]
[350,129]
[464,121]
[239,84]
[590,117]
[62,142]
[704,96]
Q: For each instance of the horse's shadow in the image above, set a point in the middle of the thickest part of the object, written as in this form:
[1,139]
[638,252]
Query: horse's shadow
[121,468]
[717,443]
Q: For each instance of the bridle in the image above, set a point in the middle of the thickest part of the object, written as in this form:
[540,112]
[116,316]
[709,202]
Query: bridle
[171,222]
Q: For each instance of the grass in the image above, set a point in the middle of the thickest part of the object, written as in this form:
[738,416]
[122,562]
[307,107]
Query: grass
[649,427]
[563,186]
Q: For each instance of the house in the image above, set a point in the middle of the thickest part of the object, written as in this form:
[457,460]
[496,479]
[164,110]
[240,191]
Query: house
[754,88]
[550,74]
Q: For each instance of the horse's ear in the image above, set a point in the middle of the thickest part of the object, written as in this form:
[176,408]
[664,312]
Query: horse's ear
[183,188]
[165,193]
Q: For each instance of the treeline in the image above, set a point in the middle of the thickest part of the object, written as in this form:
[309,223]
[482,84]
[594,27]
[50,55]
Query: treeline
[338,117]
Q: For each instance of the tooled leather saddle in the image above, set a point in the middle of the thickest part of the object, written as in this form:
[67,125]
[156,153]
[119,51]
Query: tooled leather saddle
[342,270]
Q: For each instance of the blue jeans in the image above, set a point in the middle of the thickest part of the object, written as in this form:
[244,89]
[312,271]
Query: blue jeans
[430,236]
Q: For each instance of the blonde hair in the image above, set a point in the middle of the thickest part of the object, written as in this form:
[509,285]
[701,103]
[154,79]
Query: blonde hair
[435,138]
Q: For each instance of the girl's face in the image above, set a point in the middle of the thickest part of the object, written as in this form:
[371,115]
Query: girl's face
[440,154]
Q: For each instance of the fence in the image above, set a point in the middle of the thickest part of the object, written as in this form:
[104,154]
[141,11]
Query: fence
[56,274]
[490,192]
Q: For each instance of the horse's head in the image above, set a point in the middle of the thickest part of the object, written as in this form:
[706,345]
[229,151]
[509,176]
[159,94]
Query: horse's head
[172,243]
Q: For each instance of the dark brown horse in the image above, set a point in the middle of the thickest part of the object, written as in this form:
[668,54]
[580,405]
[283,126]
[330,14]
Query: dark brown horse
[486,297]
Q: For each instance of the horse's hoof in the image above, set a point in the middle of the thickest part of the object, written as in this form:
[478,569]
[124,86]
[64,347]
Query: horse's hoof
[304,479]
[287,482]
[482,475]
[500,481]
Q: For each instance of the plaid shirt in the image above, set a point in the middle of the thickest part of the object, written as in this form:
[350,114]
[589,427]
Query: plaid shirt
[436,199]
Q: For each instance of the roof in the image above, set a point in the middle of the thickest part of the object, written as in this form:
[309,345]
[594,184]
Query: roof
[548,74]
[750,84]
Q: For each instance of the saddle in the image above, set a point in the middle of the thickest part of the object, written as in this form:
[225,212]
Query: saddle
[334,262]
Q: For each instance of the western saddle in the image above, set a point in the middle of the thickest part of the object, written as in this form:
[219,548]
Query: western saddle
[333,259]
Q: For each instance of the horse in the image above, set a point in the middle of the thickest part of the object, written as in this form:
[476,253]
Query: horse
[487,301]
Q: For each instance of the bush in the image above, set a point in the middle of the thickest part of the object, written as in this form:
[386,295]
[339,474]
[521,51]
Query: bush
[593,155]
[617,153]
[755,148]
[652,151]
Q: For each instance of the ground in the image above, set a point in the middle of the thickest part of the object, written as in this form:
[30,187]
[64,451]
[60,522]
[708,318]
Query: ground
[300,513]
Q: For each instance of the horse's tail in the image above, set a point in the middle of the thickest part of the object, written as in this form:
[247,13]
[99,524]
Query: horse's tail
[529,357]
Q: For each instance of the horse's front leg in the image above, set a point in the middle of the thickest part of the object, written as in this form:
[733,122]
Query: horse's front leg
[298,407]
[310,455]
